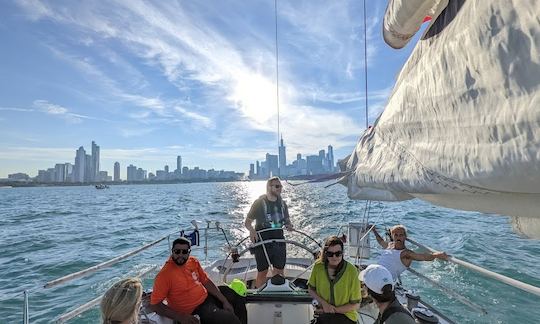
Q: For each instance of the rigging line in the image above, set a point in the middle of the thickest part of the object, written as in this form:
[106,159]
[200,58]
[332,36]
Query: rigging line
[277,79]
[365,63]
[449,292]
[102,265]
[94,302]
[365,210]
[488,273]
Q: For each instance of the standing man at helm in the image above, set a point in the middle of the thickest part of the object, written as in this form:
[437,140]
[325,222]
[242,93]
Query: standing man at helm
[270,214]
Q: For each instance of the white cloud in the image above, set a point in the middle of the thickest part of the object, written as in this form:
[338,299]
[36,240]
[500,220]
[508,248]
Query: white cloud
[43,106]
[134,132]
[16,109]
[36,9]
[136,154]
[198,118]
[57,110]
[21,153]
[309,128]
[183,40]
[102,79]
[50,108]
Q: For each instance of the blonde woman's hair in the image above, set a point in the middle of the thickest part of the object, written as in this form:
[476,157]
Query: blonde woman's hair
[396,227]
[121,302]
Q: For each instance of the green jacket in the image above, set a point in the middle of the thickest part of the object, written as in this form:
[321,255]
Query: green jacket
[344,289]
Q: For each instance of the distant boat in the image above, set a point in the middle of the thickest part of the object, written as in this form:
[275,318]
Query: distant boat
[102,186]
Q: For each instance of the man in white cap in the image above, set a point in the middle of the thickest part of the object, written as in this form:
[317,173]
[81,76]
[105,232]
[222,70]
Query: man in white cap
[380,285]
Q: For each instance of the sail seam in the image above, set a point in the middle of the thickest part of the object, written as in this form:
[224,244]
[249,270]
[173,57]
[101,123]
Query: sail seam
[434,176]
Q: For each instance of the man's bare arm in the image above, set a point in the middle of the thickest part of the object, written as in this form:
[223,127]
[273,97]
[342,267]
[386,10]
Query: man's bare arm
[379,238]
[429,256]
[248,223]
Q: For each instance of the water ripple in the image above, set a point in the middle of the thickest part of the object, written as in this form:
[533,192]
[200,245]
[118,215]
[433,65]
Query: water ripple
[50,232]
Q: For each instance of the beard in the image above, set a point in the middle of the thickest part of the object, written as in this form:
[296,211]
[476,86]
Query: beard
[180,261]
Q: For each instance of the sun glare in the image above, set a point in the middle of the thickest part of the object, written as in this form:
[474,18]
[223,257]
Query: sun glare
[256,97]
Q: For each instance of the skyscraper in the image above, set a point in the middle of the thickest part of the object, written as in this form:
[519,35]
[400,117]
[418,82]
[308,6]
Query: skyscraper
[251,170]
[131,173]
[179,164]
[314,164]
[116,171]
[322,156]
[80,165]
[69,172]
[60,172]
[282,159]
[330,158]
[272,165]
[95,163]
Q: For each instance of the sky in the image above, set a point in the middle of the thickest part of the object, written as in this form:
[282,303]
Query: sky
[150,80]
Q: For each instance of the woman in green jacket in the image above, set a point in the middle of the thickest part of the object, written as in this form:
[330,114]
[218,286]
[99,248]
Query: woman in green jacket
[335,285]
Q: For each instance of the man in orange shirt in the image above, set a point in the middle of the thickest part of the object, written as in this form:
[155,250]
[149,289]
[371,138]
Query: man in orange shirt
[189,291]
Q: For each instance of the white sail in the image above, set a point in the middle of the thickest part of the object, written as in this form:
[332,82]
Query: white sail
[461,128]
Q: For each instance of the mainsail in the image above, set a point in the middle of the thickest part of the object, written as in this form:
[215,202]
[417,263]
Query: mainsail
[461,128]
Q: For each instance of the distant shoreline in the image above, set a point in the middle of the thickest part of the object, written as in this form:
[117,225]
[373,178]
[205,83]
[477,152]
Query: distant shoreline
[16,184]
[20,184]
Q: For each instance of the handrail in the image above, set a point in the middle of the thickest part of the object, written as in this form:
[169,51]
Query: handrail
[242,252]
[79,310]
[83,308]
[26,315]
[499,277]
[102,265]
[309,237]
[274,229]
[305,247]
[450,292]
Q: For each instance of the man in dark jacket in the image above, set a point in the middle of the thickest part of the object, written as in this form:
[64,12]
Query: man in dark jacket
[270,214]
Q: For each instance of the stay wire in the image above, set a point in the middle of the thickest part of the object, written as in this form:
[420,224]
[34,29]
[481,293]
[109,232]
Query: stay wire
[277,78]
[365,62]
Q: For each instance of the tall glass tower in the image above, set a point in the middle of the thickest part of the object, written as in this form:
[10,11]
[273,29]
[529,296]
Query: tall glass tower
[282,159]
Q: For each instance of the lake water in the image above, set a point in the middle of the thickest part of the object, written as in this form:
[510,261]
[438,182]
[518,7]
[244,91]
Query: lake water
[49,232]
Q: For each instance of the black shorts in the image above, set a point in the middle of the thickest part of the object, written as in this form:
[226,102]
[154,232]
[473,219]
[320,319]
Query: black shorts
[335,318]
[211,310]
[277,254]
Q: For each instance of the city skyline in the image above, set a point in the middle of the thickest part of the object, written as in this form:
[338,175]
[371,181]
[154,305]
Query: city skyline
[148,80]
[276,165]
[92,173]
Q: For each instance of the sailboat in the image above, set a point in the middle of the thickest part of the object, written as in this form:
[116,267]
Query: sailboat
[461,128]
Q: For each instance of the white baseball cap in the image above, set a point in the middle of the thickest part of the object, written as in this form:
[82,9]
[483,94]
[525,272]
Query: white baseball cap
[375,277]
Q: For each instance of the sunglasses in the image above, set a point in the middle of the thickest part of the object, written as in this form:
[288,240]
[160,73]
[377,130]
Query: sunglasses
[181,251]
[276,186]
[331,254]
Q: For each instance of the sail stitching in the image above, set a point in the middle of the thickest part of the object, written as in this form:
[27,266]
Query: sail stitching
[434,176]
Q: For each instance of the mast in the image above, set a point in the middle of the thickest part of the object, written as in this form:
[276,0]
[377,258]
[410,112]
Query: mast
[277,81]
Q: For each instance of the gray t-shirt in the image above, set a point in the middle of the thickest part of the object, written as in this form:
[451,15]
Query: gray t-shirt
[269,214]
[397,317]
